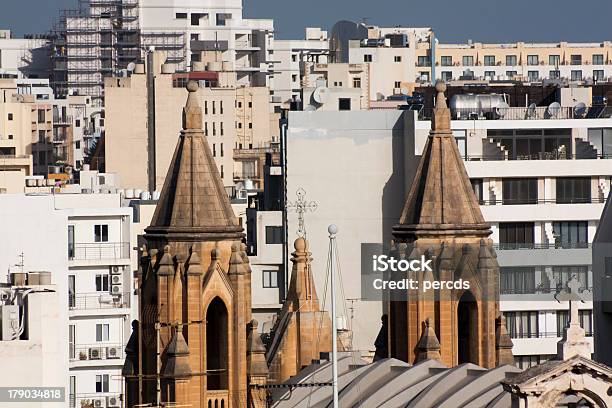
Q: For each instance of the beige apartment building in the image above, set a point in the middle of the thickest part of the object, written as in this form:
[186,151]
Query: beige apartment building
[26,136]
[524,61]
[234,118]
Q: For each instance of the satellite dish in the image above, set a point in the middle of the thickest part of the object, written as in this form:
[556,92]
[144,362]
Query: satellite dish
[553,109]
[321,95]
[502,109]
[580,110]
[531,111]
[131,66]
[404,91]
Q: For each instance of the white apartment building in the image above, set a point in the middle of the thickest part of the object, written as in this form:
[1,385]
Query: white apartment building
[23,57]
[32,350]
[291,55]
[104,38]
[87,247]
[542,184]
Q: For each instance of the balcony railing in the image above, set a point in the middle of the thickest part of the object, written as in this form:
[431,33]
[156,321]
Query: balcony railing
[564,200]
[98,300]
[99,251]
[543,335]
[243,175]
[540,290]
[551,245]
[95,352]
[93,400]
[537,156]
[523,113]
[217,398]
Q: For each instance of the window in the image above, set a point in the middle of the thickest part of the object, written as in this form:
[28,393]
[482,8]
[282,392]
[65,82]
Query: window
[586,321]
[561,275]
[102,283]
[511,74]
[195,18]
[468,61]
[221,171]
[77,123]
[77,144]
[10,137]
[576,75]
[572,190]
[562,321]
[598,74]
[102,383]
[41,116]
[554,60]
[221,150]
[214,110]
[101,233]
[446,61]
[460,138]
[397,84]
[356,82]
[250,125]
[71,341]
[181,16]
[102,331]
[205,128]
[601,139]
[222,18]
[274,235]
[533,75]
[294,78]
[477,186]
[70,241]
[528,361]
[517,280]
[423,61]
[221,128]
[294,57]
[520,191]
[367,57]
[489,60]
[570,234]
[533,60]
[194,37]
[446,76]
[270,279]
[516,235]
[344,104]
[214,150]
[10,116]
[397,58]
[522,325]
[489,74]
[554,74]
[214,128]
[598,59]
[576,60]
[42,136]
[511,60]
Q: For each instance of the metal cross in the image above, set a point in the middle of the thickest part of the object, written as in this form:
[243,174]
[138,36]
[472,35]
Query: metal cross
[302,206]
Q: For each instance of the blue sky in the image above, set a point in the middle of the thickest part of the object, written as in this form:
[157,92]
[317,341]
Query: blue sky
[453,20]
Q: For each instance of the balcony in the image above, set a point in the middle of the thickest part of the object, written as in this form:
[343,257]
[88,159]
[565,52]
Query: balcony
[99,251]
[544,335]
[100,399]
[98,300]
[523,113]
[510,246]
[565,200]
[246,175]
[63,120]
[217,398]
[96,352]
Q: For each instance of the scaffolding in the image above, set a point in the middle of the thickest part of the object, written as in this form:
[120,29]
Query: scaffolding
[97,40]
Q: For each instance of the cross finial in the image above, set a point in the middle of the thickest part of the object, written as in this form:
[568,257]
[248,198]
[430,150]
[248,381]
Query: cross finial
[302,206]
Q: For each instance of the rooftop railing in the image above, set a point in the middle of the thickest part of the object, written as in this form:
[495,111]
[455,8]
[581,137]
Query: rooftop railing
[523,113]
[560,200]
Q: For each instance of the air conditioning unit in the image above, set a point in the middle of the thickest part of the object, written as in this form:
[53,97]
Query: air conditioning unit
[113,352]
[114,270]
[113,402]
[95,353]
[98,402]
[116,289]
[116,280]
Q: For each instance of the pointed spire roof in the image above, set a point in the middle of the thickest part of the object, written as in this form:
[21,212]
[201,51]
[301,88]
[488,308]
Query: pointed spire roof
[441,201]
[302,293]
[193,199]
[428,346]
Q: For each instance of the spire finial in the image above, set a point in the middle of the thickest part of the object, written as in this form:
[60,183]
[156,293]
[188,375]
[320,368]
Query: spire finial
[440,98]
[192,114]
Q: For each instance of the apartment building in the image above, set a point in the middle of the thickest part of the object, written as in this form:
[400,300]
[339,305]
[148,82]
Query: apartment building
[531,62]
[87,249]
[291,55]
[32,350]
[23,57]
[104,38]
[542,182]
[235,118]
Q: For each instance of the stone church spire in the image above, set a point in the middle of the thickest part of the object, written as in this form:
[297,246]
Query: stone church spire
[442,221]
[441,200]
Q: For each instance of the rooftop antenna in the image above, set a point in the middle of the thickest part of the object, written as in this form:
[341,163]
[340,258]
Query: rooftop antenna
[333,230]
[20,263]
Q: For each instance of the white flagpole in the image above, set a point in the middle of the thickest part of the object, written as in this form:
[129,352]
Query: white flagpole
[333,230]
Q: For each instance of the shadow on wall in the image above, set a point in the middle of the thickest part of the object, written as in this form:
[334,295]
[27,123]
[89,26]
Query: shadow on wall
[398,185]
